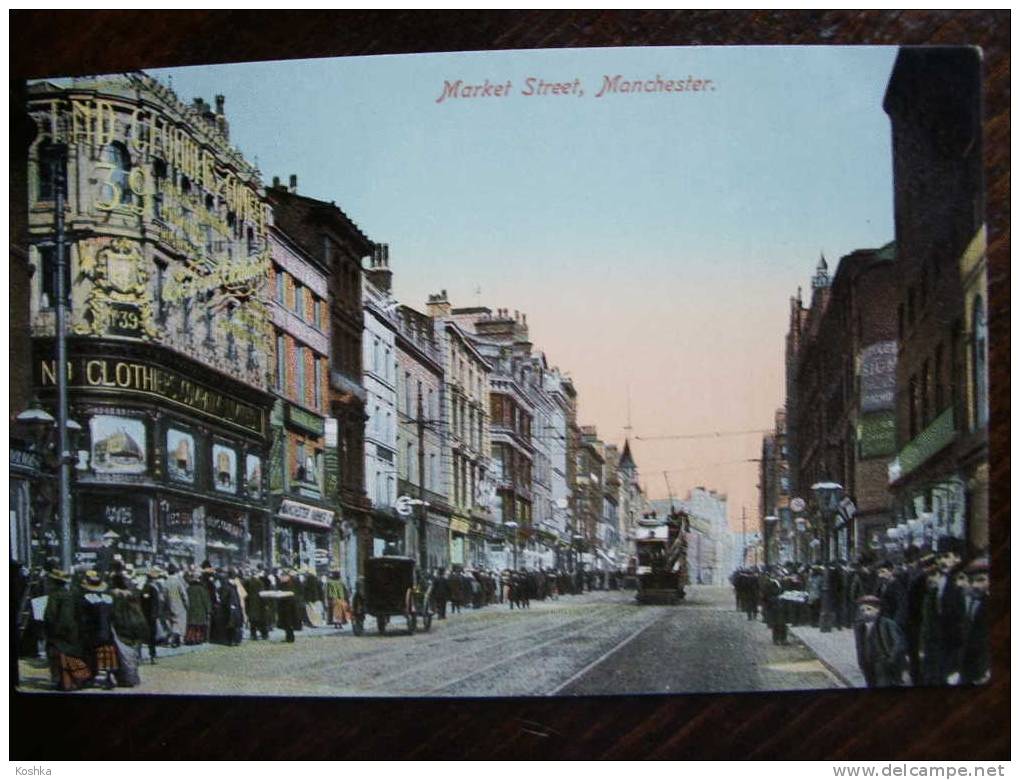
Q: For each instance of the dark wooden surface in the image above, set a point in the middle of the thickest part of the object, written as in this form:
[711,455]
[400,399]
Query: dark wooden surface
[910,724]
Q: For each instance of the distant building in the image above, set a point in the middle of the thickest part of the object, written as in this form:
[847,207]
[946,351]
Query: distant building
[380,377]
[844,389]
[466,410]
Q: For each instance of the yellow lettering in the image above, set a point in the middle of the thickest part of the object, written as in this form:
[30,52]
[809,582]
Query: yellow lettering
[49,372]
[91,376]
[122,372]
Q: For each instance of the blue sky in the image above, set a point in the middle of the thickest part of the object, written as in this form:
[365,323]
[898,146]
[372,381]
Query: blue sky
[652,239]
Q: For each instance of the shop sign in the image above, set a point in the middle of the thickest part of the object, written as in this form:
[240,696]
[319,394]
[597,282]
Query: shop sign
[459,525]
[134,376]
[876,434]
[177,529]
[878,376]
[127,516]
[26,460]
[307,421]
[303,513]
[224,530]
[932,439]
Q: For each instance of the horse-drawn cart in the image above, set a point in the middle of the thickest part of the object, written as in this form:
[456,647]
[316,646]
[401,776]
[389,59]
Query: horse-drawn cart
[390,590]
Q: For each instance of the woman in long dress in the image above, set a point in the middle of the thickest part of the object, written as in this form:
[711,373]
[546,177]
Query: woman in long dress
[199,607]
[96,628]
[176,593]
[337,602]
[69,670]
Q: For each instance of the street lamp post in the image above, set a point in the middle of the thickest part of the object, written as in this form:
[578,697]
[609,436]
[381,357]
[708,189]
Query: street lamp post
[60,287]
[770,524]
[513,537]
[827,495]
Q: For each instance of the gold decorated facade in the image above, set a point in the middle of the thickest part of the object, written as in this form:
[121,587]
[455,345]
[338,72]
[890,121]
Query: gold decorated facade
[166,223]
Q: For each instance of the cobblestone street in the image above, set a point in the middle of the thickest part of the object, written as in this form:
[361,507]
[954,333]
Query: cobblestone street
[597,643]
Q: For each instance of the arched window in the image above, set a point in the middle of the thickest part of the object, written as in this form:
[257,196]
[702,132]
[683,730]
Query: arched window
[979,345]
[116,155]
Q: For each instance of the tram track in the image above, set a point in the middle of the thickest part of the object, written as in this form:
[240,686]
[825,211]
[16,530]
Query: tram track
[356,651]
[588,628]
[460,655]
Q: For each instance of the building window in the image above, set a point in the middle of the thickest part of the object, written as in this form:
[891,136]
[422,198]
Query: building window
[118,189]
[316,312]
[281,363]
[299,374]
[432,472]
[925,393]
[48,279]
[51,160]
[299,300]
[318,383]
[407,393]
[980,363]
[280,286]
[914,406]
[411,470]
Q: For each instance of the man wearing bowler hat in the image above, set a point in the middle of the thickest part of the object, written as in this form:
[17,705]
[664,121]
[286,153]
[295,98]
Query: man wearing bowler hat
[951,611]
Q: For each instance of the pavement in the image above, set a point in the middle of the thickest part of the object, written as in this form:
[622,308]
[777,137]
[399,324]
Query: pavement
[836,651]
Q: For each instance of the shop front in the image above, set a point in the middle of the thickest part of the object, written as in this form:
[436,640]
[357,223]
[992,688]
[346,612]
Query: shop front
[171,460]
[305,536]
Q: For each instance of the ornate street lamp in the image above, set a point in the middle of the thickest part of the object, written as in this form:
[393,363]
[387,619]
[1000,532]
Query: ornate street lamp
[56,444]
[827,496]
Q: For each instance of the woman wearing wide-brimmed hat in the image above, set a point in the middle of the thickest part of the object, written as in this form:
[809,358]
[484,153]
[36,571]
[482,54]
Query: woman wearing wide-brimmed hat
[96,627]
[69,670]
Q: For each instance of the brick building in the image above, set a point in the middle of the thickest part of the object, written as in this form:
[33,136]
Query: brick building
[940,473]
[304,532]
[330,238]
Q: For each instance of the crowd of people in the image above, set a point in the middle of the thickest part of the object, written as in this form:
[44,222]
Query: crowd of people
[919,621]
[99,625]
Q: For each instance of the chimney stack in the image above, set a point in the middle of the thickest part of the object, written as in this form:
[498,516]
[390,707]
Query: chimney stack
[378,272]
[220,100]
[276,182]
[293,183]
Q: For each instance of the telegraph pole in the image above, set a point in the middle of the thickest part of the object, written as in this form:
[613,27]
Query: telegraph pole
[63,445]
[422,510]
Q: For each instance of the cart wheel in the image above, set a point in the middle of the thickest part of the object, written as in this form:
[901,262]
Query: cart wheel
[380,623]
[412,623]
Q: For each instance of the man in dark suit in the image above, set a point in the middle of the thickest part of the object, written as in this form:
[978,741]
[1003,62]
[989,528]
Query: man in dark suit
[975,668]
[892,595]
[951,611]
[881,648]
[440,593]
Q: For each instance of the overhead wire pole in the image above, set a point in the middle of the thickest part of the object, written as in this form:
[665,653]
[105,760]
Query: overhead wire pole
[60,286]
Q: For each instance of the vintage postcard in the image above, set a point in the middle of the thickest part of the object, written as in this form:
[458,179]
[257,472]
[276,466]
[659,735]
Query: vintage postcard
[523,373]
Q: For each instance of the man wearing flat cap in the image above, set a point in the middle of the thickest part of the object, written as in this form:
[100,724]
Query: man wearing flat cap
[881,647]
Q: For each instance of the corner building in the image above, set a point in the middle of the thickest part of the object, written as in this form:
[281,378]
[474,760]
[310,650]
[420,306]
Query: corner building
[166,235]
